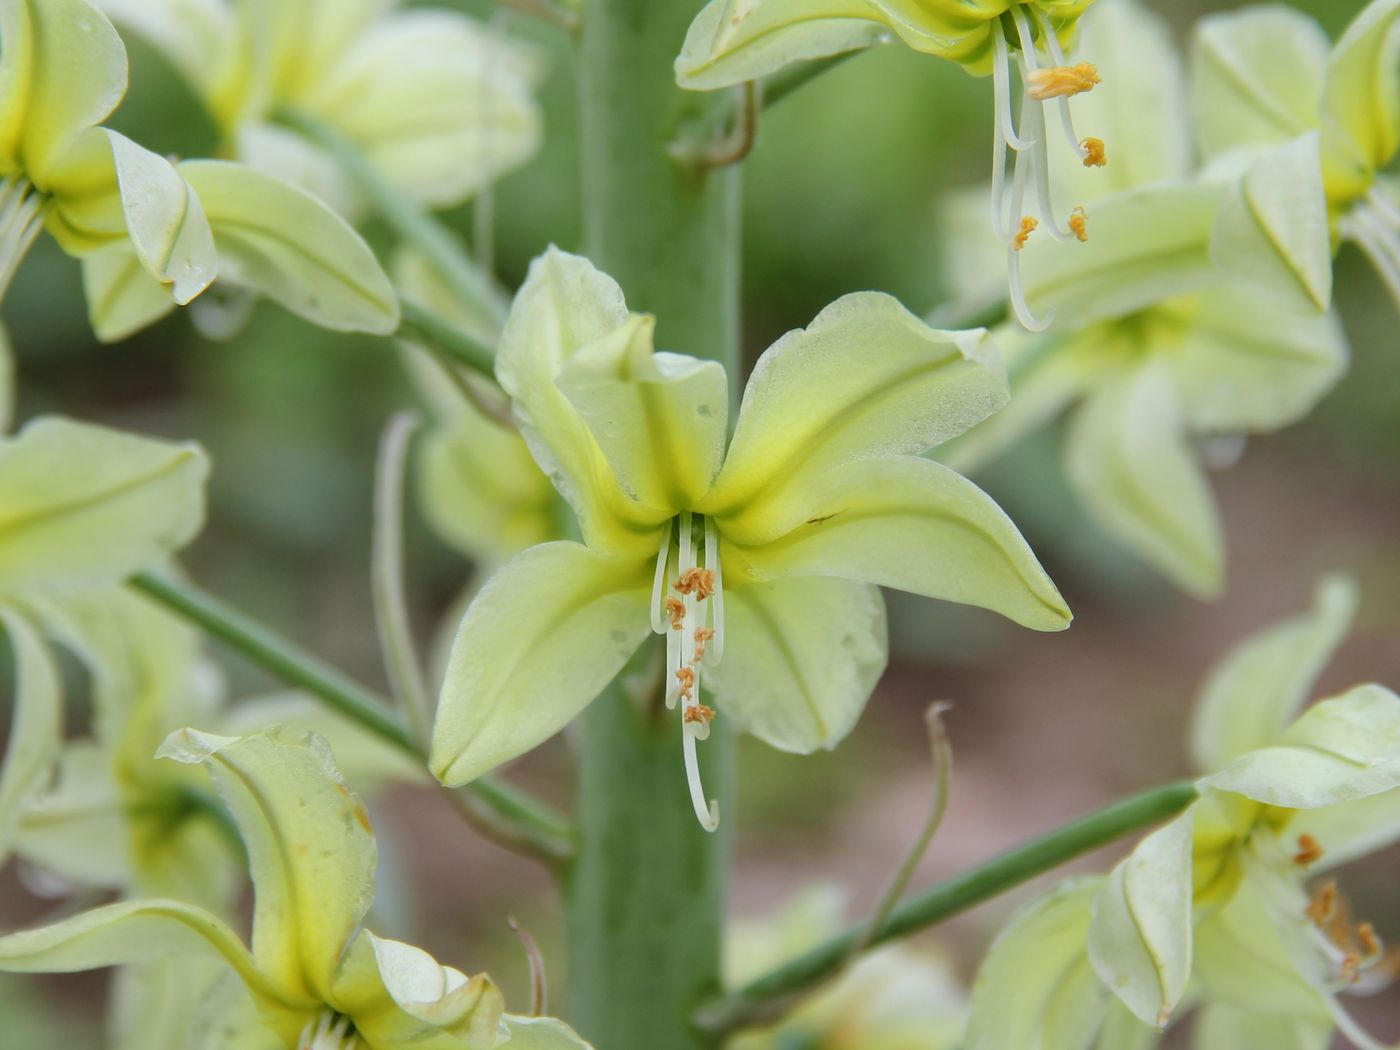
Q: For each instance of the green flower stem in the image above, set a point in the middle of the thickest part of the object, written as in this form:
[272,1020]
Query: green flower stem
[645,897]
[761,999]
[415,225]
[446,339]
[501,812]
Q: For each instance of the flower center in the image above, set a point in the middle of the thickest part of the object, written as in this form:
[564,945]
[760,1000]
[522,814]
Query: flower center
[1027,139]
[22,211]
[687,606]
[332,1031]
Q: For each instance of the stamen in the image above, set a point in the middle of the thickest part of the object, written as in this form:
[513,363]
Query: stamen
[658,584]
[1034,115]
[1323,905]
[332,1032]
[700,582]
[686,677]
[1062,81]
[22,211]
[675,609]
[1078,222]
[1028,227]
[1309,851]
[705,812]
[717,596]
[1057,55]
[1093,152]
[702,635]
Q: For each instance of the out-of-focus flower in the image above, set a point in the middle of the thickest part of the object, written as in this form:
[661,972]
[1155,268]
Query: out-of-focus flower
[81,508]
[893,998]
[439,103]
[1194,312]
[313,979]
[732,41]
[1211,911]
[62,72]
[1267,74]
[760,561]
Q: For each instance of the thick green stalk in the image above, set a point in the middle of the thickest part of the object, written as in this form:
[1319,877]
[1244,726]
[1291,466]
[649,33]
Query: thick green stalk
[760,999]
[501,812]
[647,891]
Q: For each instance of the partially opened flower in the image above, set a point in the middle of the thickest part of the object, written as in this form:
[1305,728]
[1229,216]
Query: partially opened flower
[439,103]
[1193,317]
[732,41]
[81,508]
[758,562]
[1283,797]
[314,979]
[1210,912]
[62,72]
[1267,74]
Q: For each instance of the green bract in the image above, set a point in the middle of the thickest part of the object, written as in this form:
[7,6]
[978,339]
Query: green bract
[63,71]
[1192,313]
[1210,911]
[81,508]
[732,41]
[439,103]
[759,559]
[313,978]
[1266,75]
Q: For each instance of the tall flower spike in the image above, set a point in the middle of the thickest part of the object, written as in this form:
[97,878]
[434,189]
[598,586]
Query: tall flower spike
[1028,139]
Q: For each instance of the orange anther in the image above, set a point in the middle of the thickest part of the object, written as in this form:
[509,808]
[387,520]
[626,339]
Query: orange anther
[1062,81]
[1078,220]
[675,609]
[1095,155]
[699,713]
[1028,225]
[699,581]
[1309,851]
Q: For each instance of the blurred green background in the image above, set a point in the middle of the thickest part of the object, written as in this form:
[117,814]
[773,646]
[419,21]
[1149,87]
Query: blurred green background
[842,193]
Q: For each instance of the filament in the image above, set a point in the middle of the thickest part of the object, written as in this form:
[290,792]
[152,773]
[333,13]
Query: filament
[1057,55]
[22,212]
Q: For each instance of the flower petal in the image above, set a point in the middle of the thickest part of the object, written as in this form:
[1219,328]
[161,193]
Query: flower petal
[1130,462]
[84,505]
[122,296]
[127,932]
[1273,228]
[1036,987]
[1258,688]
[1144,246]
[866,378]
[661,419]
[564,305]
[36,730]
[280,241]
[545,635]
[542,1033]
[77,829]
[1342,749]
[311,852]
[193,35]
[440,104]
[1351,830]
[1361,106]
[1225,1028]
[164,220]
[914,525]
[1257,76]
[1248,362]
[804,657]
[400,996]
[731,41]
[1140,937]
[62,70]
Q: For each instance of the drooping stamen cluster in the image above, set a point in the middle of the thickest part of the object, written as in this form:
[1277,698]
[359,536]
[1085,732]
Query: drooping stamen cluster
[1027,139]
[21,218]
[692,619]
[1373,225]
[332,1031]
[1352,947]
